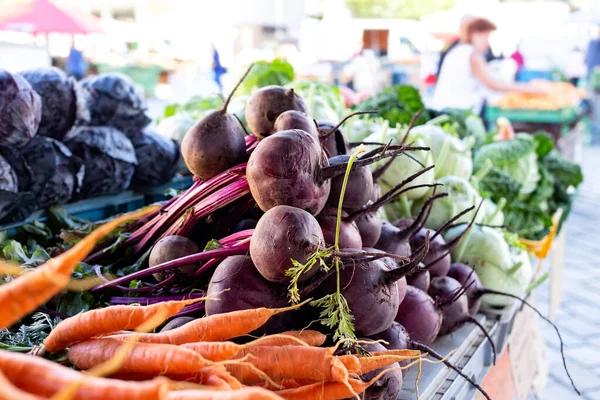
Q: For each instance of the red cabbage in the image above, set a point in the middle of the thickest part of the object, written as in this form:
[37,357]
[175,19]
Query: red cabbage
[20,110]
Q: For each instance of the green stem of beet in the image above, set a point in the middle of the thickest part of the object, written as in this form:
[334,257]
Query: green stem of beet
[338,223]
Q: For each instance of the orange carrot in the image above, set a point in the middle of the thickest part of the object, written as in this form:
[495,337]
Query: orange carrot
[10,392]
[218,327]
[351,362]
[146,358]
[247,393]
[45,378]
[291,362]
[331,390]
[209,376]
[222,351]
[105,321]
[311,338]
[24,294]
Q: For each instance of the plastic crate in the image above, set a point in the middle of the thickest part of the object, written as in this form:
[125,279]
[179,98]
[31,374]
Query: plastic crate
[94,209]
[157,193]
[527,75]
[506,319]
[565,115]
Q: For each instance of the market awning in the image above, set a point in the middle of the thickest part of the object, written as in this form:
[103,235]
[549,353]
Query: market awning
[42,16]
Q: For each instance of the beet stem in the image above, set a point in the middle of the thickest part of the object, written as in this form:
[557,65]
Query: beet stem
[486,333]
[442,228]
[419,221]
[335,128]
[413,264]
[562,353]
[412,123]
[426,349]
[226,104]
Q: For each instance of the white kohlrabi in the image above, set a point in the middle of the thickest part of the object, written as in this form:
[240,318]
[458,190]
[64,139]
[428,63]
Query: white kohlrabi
[491,213]
[451,155]
[357,129]
[461,195]
[404,165]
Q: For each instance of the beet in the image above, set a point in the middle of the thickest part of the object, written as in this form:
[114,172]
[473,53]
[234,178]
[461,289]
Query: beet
[448,293]
[419,279]
[359,187]
[420,316]
[468,278]
[176,323]
[245,224]
[216,143]
[334,142]
[388,386]
[171,248]
[369,228]
[438,260]
[285,169]
[293,119]
[283,234]
[266,104]
[247,290]
[350,237]
[371,290]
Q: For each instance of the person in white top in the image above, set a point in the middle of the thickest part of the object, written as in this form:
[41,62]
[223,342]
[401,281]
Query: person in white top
[465,77]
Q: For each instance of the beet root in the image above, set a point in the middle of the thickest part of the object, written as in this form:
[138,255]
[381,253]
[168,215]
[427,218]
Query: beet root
[369,227]
[293,119]
[449,295]
[358,188]
[468,278]
[284,169]
[170,248]
[420,316]
[420,279]
[176,323]
[438,260]
[350,237]
[237,285]
[266,104]
[390,242]
[283,234]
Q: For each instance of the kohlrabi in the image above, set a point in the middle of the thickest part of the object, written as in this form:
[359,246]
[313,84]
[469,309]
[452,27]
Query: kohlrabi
[404,165]
[461,195]
[451,155]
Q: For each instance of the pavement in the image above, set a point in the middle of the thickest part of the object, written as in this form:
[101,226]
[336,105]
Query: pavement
[579,316]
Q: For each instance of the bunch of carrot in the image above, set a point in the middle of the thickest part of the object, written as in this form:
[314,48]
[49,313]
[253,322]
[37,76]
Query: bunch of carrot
[194,361]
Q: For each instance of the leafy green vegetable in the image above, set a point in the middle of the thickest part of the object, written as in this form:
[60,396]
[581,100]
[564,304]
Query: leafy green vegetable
[265,73]
[460,123]
[72,303]
[212,244]
[397,104]
[564,171]
[29,335]
[324,102]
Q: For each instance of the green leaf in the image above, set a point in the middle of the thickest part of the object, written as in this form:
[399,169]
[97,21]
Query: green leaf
[545,188]
[496,185]
[72,303]
[265,73]
[84,270]
[38,230]
[213,244]
[14,251]
[529,222]
[62,220]
[564,171]
[544,143]
[505,152]
[38,257]
[171,110]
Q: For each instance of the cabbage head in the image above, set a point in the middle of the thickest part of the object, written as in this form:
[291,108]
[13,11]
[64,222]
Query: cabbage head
[20,110]
[404,166]
[515,158]
[324,101]
[357,129]
[461,195]
[451,155]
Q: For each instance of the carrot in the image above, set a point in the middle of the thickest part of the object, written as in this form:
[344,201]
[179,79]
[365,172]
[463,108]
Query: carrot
[10,392]
[291,362]
[24,294]
[105,321]
[331,390]
[146,358]
[247,393]
[218,327]
[45,378]
[311,338]
[222,351]
[209,376]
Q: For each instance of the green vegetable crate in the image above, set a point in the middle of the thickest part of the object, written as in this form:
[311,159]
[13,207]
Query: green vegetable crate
[94,209]
[160,193]
[561,116]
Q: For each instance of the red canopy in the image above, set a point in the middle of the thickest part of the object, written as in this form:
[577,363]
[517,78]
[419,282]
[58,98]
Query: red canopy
[41,16]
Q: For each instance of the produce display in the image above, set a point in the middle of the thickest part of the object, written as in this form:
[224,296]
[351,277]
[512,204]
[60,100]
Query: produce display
[555,95]
[63,141]
[300,264]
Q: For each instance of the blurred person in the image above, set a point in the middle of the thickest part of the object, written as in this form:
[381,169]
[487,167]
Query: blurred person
[576,68]
[465,77]
[518,58]
[218,69]
[592,60]
[76,64]
[364,71]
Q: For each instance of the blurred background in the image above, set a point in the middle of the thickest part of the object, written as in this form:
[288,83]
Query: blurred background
[169,48]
